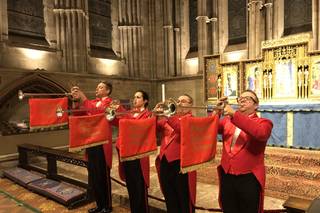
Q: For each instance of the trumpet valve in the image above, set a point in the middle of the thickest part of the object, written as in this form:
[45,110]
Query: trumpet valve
[110,114]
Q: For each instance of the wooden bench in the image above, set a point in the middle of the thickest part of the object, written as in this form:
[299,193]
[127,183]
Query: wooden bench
[51,172]
[297,205]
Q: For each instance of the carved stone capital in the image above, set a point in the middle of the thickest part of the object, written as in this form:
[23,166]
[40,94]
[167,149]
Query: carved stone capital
[268,5]
[167,27]
[202,18]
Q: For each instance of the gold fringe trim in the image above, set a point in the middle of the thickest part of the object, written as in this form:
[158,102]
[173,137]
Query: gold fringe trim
[76,149]
[55,125]
[138,156]
[195,167]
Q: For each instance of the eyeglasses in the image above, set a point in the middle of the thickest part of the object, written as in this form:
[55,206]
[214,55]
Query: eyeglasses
[245,99]
[183,101]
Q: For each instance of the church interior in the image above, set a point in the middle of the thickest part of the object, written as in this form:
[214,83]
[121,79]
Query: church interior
[205,48]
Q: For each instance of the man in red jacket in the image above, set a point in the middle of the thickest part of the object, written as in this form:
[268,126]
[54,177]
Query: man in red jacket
[99,157]
[242,170]
[179,189]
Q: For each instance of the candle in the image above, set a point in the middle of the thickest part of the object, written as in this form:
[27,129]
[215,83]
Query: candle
[163,92]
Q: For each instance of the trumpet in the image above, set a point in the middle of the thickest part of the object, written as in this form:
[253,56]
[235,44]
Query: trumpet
[170,108]
[110,112]
[22,95]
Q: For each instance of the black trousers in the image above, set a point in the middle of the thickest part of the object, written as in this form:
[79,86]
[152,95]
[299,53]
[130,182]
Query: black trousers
[137,189]
[240,193]
[99,177]
[175,187]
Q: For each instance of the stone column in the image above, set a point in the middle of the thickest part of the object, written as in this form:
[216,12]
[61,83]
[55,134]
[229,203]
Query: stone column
[131,35]
[177,37]
[269,22]
[71,18]
[215,27]
[254,34]
[3,20]
[316,24]
[168,37]
[278,19]
[152,38]
[202,33]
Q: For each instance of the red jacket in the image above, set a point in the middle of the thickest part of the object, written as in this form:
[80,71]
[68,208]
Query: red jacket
[170,147]
[100,108]
[247,153]
[170,140]
[144,162]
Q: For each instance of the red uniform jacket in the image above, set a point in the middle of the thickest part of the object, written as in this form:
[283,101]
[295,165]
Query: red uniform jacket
[247,154]
[100,108]
[144,162]
[170,147]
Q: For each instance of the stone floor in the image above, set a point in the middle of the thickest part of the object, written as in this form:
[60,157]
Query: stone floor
[206,193]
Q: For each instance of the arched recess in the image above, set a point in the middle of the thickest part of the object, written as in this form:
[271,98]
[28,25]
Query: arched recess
[14,110]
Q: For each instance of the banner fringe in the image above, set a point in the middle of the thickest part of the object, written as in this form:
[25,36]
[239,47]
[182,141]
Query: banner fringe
[79,148]
[49,126]
[122,159]
[195,167]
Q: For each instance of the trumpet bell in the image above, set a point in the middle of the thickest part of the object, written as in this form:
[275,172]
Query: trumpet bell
[170,110]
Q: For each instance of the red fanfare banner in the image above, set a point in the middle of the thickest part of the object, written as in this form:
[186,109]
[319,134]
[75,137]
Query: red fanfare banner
[198,142]
[137,138]
[43,112]
[88,131]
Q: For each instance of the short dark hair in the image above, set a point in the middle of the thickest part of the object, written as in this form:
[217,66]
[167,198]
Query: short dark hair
[190,98]
[253,93]
[108,86]
[145,96]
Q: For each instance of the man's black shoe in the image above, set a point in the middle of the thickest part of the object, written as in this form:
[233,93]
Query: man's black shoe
[105,210]
[94,210]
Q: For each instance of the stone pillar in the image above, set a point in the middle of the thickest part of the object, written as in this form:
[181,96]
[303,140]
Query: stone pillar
[152,39]
[168,37]
[316,24]
[254,34]
[71,18]
[131,35]
[278,19]
[215,27]
[177,37]
[3,20]
[269,22]
[202,33]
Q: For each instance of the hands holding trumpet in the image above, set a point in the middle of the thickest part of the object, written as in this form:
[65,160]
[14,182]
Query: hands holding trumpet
[223,107]
[77,94]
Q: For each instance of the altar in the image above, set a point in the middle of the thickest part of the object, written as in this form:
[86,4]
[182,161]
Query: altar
[287,81]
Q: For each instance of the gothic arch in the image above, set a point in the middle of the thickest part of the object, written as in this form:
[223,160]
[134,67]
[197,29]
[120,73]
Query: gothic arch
[12,107]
